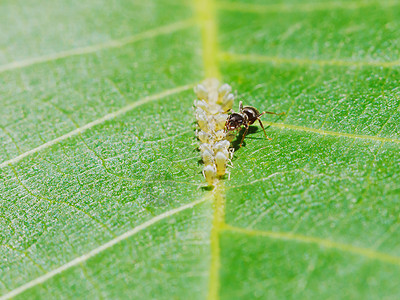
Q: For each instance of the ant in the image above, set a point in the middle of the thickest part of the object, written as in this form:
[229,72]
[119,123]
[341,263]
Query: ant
[246,116]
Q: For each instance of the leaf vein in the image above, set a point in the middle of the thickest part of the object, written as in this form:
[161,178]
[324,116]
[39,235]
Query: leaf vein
[333,133]
[102,248]
[326,243]
[97,122]
[303,7]
[26,254]
[30,192]
[235,57]
[98,47]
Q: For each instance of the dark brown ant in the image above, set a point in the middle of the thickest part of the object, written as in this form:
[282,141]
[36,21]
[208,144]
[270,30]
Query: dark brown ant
[246,116]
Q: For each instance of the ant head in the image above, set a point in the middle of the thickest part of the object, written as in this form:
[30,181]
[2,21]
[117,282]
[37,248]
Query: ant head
[234,122]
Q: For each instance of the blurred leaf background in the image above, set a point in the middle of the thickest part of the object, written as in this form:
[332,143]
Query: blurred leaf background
[100,180]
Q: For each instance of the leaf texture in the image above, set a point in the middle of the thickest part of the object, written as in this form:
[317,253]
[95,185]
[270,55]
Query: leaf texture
[100,181]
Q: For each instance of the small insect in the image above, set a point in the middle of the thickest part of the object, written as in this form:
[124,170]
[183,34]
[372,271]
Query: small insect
[246,116]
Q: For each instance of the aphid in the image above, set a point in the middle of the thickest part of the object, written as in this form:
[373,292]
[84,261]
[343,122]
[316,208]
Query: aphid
[201,104]
[204,137]
[204,121]
[221,145]
[221,159]
[210,174]
[220,120]
[201,91]
[224,89]
[206,147]
[208,157]
[219,135]
[246,116]
[227,102]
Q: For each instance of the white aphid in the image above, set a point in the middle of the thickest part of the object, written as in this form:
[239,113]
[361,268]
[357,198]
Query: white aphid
[221,160]
[220,121]
[206,147]
[219,135]
[204,121]
[208,157]
[201,104]
[213,97]
[221,145]
[214,109]
[204,137]
[201,91]
[224,89]
[227,102]
[210,174]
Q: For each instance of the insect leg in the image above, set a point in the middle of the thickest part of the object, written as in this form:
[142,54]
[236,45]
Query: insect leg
[244,134]
[262,126]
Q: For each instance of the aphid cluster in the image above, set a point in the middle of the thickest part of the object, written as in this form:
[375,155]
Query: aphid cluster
[212,104]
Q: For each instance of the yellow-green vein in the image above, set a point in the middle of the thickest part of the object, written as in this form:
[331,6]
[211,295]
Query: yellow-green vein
[96,251]
[235,57]
[333,133]
[303,7]
[98,47]
[206,15]
[97,122]
[325,243]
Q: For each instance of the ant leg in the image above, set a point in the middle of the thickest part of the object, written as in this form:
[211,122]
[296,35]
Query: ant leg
[244,134]
[262,126]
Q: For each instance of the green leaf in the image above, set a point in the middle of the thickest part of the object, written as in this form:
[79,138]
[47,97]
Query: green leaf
[100,180]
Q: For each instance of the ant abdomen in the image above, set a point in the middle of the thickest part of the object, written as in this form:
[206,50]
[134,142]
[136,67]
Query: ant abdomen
[252,114]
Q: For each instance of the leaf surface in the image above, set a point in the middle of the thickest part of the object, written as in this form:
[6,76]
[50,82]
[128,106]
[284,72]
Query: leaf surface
[100,179]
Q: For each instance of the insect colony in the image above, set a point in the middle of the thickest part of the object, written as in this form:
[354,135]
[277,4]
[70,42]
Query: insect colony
[212,104]
[217,128]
